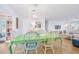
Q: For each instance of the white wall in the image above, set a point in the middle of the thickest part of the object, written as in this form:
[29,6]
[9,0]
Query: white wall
[52,23]
[27,25]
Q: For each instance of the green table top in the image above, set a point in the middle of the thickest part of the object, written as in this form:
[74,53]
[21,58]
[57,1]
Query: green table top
[24,39]
[41,37]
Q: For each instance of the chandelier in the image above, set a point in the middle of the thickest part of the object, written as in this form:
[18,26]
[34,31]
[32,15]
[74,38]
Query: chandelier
[35,13]
[35,16]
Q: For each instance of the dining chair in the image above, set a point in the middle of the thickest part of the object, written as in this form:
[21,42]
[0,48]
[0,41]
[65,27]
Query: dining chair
[17,47]
[47,45]
[31,46]
[31,43]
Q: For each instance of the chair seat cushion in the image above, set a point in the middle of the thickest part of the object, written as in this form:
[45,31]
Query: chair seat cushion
[31,45]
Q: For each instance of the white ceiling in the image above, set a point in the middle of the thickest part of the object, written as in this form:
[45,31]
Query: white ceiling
[51,11]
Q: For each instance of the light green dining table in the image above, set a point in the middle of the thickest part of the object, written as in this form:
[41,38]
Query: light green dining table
[20,39]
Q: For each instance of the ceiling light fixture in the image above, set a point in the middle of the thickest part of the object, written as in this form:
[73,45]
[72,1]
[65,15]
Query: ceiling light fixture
[35,12]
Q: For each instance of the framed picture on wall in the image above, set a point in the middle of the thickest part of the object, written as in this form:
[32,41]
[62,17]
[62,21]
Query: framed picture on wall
[37,24]
[57,26]
[17,23]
